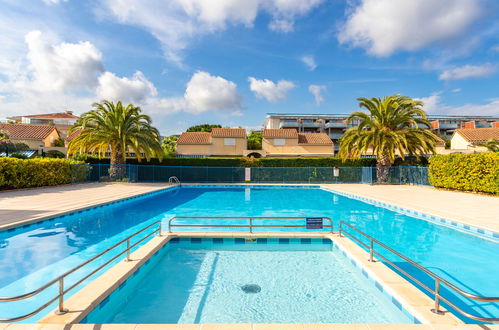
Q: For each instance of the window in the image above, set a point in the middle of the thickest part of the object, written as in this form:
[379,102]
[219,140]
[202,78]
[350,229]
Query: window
[229,142]
[279,142]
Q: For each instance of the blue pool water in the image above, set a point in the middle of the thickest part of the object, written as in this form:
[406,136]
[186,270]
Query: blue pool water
[279,281]
[30,256]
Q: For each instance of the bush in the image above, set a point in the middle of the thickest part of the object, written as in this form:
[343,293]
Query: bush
[26,173]
[55,154]
[472,172]
[18,155]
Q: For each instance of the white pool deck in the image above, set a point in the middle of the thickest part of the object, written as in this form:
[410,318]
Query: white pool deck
[17,207]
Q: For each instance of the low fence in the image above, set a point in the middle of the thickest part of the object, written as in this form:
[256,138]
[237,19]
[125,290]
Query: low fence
[190,174]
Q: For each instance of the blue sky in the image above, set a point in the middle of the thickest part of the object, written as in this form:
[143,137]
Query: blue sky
[188,62]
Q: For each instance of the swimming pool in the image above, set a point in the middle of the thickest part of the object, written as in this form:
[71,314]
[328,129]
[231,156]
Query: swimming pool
[231,280]
[34,254]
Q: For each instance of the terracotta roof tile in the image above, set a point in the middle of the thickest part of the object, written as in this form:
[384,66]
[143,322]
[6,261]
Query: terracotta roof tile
[27,131]
[314,138]
[73,135]
[228,132]
[194,138]
[280,133]
[479,135]
[56,115]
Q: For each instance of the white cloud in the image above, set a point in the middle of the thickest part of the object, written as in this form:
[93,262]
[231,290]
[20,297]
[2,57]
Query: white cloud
[434,105]
[134,89]
[385,26]
[204,92]
[316,91]
[62,66]
[309,61]
[468,71]
[53,2]
[269,90]
[456,90]
[431,103]
[174,23]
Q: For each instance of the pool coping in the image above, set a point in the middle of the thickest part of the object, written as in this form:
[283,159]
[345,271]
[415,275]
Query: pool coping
[438,220]
[403,293]
[88,206]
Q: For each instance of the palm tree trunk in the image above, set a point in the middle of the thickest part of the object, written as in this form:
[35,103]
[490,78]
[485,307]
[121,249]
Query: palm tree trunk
[117,170]
[383,169]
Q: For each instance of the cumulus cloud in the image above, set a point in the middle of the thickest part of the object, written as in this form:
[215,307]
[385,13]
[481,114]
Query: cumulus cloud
[406,25]
[434,105]
[174,23]
[53,2]
[134,89]
[309,61]
[204,92]
[269,90]
[64,65]
[468,71]
[316,91]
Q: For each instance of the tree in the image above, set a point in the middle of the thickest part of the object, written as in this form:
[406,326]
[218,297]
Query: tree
[169,145]
[491,145]
[394,125]
[4,136]
[203,128]
[118,129]
[255,140]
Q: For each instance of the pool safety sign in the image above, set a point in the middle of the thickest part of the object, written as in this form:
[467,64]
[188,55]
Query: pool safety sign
[314,223]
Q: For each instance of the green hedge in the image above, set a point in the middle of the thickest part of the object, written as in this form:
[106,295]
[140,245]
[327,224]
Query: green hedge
[472,172]
[248,162]
[26,173]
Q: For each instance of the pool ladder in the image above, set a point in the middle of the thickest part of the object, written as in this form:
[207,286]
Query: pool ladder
[62,290]
[174,180]
[438,298]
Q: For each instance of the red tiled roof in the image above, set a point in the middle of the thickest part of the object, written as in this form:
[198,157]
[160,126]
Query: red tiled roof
[314,138]
[479,135]
[73,135]
[56,115]
[27,131]
[194,138]
[228,132]
[280,133]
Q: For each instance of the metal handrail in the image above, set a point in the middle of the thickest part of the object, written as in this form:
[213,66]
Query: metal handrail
[250,225]
[438,280]
[174,179]
[60,278]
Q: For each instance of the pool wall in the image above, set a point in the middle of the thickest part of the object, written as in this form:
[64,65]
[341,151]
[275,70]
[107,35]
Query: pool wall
[400,292]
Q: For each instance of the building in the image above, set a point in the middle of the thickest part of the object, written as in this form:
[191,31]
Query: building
[334,125]
[63,121]
[469,139]
[37,137]
[289,143]
[219,142]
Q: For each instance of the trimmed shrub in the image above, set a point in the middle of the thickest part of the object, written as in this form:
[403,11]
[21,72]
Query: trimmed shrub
[25,173]
[477,172]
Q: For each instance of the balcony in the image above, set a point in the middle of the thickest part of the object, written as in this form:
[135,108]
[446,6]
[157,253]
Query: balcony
[310,124]
[333,124]
[335,136]
[288,124]
[445,125]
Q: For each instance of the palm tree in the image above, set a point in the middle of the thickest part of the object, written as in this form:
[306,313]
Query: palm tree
[394,125]
[491,145]
[115,128]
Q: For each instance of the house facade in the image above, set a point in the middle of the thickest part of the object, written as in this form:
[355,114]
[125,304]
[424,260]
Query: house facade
[219,142]
[290,143]
[35,136]
[469,139]
[63,121]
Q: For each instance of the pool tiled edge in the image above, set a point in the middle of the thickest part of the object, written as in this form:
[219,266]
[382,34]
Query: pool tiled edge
[401,293]
[488,234]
